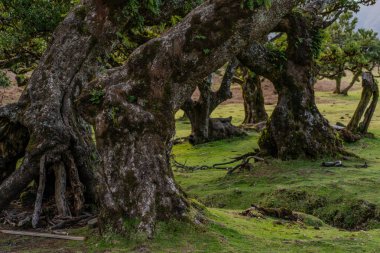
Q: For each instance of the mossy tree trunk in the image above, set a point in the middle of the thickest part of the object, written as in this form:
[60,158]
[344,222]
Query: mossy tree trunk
[134,123]
[254,106]
[296,127]
[203,128]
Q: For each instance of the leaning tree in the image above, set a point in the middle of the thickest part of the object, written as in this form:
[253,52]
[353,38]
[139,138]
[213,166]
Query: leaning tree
[335,53]
[131,107]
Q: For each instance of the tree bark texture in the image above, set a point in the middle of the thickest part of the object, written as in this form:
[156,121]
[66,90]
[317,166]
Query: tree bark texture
[366,107]
[296,127]
[134,123]
[203,128]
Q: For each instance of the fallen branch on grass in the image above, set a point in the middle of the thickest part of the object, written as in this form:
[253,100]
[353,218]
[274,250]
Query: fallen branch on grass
[72,221]
[244,165]
[45,235]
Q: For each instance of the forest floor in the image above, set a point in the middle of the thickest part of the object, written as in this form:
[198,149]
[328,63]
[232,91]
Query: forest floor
[341,206]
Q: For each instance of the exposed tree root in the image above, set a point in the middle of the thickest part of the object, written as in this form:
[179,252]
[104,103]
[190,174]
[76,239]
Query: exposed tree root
[40,193]
[68,222]
[18,216]
[244,164]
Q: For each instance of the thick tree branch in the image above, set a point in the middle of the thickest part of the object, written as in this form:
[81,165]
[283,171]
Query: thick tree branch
[134,121]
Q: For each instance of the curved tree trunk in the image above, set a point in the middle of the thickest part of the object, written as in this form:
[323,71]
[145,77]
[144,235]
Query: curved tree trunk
[203,128]
[370,90]
[134,123]
[254,106]
[355,79]
[296,127]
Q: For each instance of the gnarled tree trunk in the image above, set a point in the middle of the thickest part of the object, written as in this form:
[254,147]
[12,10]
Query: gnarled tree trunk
[254,106]
[56,137]
[45,110]
[134,123]
[203,128]
[296,127]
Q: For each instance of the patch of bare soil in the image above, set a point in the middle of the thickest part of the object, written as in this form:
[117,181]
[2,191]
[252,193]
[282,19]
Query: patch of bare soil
[10,94]
[329,85]
[270,93]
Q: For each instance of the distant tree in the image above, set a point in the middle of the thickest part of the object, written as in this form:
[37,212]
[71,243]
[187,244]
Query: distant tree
[363,54]
[346,49]
[333,59]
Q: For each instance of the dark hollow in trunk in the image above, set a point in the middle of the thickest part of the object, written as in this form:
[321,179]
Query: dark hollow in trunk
[13,141]
[254,106]
[365,107]
[203,128]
